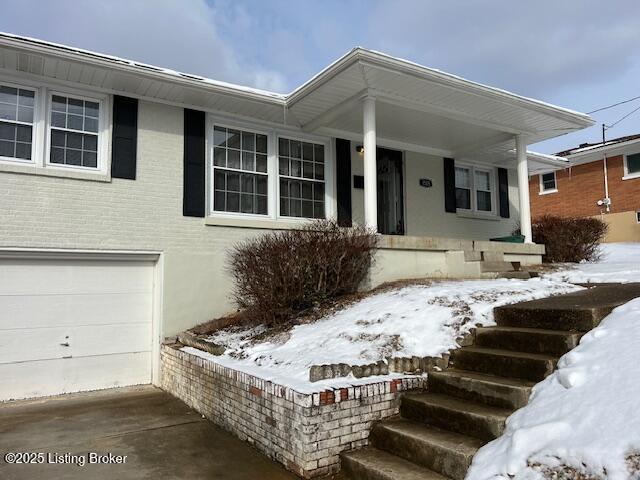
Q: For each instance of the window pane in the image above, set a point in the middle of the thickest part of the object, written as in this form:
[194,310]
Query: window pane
[307,169]
[318,153]
[73,157]
[261,144]
[319,171]
[633,163]
[296,168]
[233,159]
[90,142]
[283,147]
[283,167]
[233,181]
[463,198]
[91,124]
[284,188]
[261,184]
[23,150]
[248,161]
[26,98]
[548,181]
[307,151]
[246,183]
[7,149]
[220,136]
[248,141]
[75,122]
[76,106]
[307,209]
[220,157]
[483,181]
[233,202]
[7,131]
[57,155]
[58,104]
[284,207]
[318,191]
[307,191]
[74,140]
[462,178]
[246,203]
[295,148]
[91,109]
[484,201]
[8,95]
[25,114]
[23,133]
[58,120]
[261,163]
[318,209]
[233,139]
[89,159]
[261,206]
[7,112]
[218,201]
[218,180]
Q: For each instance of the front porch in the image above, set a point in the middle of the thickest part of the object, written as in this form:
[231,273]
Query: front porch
[423,153]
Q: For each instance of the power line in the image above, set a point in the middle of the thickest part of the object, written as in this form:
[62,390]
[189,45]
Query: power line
[621,119]
[614,105]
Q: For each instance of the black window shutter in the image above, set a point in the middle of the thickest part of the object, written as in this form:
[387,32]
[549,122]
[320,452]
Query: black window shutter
[449,185]
[503,192]
[124,143]
[194,164]
[343,181]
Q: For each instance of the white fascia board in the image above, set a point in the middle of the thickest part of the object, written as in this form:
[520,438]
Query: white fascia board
[597,152]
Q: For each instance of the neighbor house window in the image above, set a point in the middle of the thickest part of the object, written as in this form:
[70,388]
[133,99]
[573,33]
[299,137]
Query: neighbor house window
[548,182]
[74,130]
[463,188]
[632,165]
[474,189]
[16,122]
[301,171]
[240,180]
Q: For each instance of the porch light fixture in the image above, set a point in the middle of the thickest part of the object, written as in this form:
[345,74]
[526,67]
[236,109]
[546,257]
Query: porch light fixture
[360,149]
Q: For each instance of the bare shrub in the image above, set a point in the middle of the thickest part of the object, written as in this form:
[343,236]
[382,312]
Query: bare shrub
[280,274]
[569,239]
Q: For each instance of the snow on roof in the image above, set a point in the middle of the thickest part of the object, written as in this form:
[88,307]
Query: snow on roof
[590,147]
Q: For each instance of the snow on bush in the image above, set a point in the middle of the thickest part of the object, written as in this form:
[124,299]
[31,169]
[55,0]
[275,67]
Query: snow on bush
[417,320]
[618,262]
[582,421]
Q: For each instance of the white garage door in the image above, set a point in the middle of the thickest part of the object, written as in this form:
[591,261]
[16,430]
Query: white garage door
[68,325]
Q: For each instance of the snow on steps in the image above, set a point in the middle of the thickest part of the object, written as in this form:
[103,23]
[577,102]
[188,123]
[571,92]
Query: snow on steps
[467,405]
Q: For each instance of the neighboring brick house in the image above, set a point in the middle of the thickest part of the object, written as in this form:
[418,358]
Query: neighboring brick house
[581,189]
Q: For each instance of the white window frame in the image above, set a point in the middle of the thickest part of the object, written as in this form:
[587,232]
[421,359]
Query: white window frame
[211,168]
[273,177]
[39,163]
[474,195]
[34,125]
[542,190]
[102,153]
[299,138]
[627,175]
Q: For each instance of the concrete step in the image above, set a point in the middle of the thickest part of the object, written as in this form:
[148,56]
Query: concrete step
[481,388]
[578,319]
[519,275]
[486,266]
[504,363]
[472,256]
[533,340]
[480,421]
[373,464]
[444,452]
[492,256]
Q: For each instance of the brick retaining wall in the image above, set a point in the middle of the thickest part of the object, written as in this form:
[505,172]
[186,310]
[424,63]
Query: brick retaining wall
[304,432]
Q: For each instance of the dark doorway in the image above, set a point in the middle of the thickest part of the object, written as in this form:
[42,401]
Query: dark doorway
[390,192]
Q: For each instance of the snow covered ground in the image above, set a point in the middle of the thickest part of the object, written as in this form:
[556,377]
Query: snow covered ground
[585,414]
[619,262]
[420,320]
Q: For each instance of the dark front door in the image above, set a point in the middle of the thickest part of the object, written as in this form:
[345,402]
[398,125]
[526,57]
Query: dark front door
[390,192]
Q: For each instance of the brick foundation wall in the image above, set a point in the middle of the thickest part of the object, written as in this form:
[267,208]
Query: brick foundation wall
[304,432]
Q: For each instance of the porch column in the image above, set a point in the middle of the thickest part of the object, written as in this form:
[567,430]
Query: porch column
[523,188]
[370,167]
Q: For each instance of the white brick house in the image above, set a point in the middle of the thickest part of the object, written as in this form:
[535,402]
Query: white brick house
[123,185]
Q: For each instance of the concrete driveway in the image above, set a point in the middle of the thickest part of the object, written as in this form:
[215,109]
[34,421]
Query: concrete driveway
[160,436]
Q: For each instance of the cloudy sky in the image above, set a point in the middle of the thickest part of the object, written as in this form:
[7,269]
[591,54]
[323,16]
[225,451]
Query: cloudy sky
[580,54]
